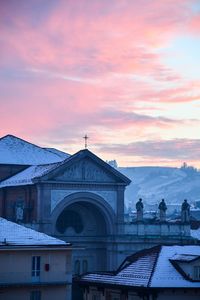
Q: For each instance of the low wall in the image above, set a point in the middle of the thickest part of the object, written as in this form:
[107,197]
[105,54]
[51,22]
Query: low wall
[160,229]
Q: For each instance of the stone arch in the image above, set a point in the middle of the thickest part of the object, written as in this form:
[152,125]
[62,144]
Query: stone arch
[87,200]
[99,221]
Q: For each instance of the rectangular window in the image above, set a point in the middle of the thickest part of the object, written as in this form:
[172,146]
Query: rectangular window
[96,297]
[197,272]
[84,266]
[36,266]
[35,295]
[115,296]
[130,297]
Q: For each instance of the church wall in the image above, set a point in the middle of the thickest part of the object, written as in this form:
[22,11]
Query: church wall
[126,245]
[120,209]
[129,238]
[12,196]
[108,194]
[43,207]
[9,170]
[1,203]
[53,195]
[53,198]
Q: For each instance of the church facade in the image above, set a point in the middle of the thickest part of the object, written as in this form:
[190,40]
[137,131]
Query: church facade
[77,198]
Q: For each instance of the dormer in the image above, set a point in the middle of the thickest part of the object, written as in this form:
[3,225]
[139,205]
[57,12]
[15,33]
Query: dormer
[188,265]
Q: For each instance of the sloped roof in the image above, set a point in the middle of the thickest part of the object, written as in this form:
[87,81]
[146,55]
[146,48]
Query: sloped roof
[29,175]
[15,234]
[166,275]
[195,233]
[148,268]
[137,273]
[60,153]
[14,150]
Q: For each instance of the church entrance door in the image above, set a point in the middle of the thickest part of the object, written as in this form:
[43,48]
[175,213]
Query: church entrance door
[87,222]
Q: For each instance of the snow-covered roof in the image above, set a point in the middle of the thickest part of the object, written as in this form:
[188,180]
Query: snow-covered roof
[165,274]
[31,173]
[28,175]
[184,257]
[14,150]
[137,273]
[15,234]
[62,154]
[149,268]
[195,233]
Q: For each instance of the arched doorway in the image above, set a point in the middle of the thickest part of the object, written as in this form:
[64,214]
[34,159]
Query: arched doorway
[81,218]
[87,221]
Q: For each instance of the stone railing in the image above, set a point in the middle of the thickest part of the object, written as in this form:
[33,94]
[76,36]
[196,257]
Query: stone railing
[160,229]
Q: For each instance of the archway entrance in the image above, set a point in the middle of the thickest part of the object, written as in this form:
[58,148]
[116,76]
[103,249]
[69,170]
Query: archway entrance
[87,221]
[83,219]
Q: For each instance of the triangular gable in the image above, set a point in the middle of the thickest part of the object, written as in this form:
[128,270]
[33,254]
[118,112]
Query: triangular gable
[85,166]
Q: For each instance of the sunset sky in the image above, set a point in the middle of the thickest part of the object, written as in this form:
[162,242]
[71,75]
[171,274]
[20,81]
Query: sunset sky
[126,72]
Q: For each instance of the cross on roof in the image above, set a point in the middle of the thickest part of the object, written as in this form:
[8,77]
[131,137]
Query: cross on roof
[86,138]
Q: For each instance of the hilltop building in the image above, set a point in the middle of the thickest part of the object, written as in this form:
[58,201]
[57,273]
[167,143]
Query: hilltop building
[34,265]
[78,198]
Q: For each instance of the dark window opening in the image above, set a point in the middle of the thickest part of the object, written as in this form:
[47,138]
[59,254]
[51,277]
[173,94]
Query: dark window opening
[85,266]
[77,267]
[35,295]
[69,218]
[36,266]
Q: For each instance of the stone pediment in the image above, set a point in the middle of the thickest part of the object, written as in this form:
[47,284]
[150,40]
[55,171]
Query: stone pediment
[84,166]
[84,170]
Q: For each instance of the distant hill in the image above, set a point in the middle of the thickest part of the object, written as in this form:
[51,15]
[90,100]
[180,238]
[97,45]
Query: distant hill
[154,183]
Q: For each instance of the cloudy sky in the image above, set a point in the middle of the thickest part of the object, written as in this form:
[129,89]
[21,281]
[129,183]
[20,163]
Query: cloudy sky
[126,72]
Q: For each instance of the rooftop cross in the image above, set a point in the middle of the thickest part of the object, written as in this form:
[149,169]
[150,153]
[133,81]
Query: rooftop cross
[86,138]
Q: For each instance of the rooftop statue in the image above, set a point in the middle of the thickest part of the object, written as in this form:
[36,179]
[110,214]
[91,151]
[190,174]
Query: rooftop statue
[185,212]
[139,207]
[162,207]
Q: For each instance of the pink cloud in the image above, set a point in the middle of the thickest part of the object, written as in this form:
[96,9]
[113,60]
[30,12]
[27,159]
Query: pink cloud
[99,36]
[195,25]
[168,152]
[66,66]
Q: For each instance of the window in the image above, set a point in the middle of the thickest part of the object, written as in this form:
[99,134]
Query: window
[85,266]
[197,272]
[115,296]
[35,295]
[77,267]
[36,266]
[130,297]
[96,297]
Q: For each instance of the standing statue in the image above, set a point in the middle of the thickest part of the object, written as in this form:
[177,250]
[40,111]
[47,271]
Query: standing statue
[162,207]
[139,207]
[185,212]
[19,211]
